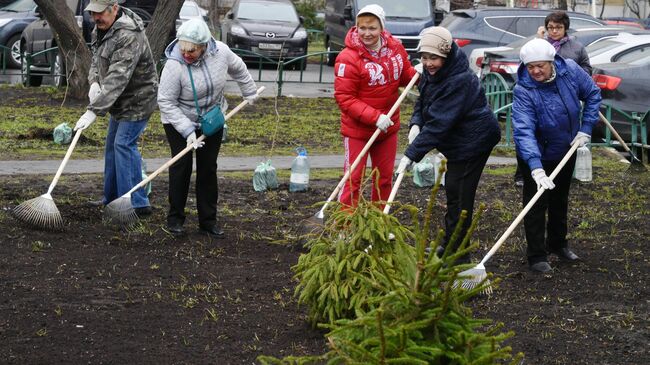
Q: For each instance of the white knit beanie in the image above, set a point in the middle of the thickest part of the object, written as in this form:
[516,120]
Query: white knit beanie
[194,31]
[537,50]
[376,10]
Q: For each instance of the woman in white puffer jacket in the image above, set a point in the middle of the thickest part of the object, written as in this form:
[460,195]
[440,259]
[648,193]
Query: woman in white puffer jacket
[210,62]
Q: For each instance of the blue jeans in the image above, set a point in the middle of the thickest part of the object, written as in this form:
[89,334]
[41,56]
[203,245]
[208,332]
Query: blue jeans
[123,163]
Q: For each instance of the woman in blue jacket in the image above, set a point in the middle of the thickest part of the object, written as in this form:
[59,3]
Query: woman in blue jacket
[453,116]
[546,119]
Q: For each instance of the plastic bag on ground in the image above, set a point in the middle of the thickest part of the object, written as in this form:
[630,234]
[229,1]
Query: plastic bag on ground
[424,174]
[265,177]
[62,134]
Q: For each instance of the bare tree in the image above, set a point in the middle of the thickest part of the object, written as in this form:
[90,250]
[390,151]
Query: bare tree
[163,25]
[634,6]
[71,45]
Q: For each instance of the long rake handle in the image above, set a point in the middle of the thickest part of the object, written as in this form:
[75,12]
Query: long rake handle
[370,142]
[615,133]
[166,165]
[65,161]
[393,192]
[528,206]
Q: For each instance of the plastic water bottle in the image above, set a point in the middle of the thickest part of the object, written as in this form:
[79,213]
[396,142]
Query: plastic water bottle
[299,180]
[583,164]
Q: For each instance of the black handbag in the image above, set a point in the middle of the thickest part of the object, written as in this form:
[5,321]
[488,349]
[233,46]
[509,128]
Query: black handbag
[213,120]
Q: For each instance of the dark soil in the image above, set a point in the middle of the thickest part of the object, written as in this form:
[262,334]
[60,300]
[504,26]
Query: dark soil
[96,294]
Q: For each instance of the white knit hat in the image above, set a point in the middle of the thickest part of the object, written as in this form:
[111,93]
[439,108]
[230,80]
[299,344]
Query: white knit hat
[194,31]
[435,40]
[537,50]
[376,10]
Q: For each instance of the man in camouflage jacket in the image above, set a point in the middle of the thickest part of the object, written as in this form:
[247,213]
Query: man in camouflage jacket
[124,83]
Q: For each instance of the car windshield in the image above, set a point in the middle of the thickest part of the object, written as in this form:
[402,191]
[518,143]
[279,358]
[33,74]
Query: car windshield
[20,6]
[267,11]
[603,46]
[402,9]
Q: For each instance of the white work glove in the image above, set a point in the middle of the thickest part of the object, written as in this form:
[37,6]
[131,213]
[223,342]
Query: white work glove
[419,68]
[404,164]
[413,133]
[251,98]
[86,120]
[383,122]
[581,139]
[543,181]
[94,92]
[191,140]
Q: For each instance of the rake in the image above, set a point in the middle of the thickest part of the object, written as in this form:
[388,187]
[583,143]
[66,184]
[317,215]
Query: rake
[477,275]
[42,211]
[319,216]
[120,211]
[635,164]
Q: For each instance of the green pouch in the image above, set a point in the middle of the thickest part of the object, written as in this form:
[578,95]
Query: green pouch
[265,177]
[62,134]
[213,120]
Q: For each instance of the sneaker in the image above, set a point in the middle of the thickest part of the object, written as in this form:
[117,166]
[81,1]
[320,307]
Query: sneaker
[143,211]
[566,254]
[175,229]
[214,231]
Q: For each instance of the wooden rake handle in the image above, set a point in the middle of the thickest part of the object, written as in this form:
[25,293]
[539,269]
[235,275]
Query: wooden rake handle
[528,206]
[614,132]
[372,139]
[187,149]
[75,139]
[393,192]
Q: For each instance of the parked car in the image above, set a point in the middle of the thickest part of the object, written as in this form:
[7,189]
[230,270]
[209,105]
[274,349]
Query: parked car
[38,37]
[271,28]
[14,18]
[624,86]
[611,49]
[191,10]
[498,26]
[404,21]
[630,22]
[506,62]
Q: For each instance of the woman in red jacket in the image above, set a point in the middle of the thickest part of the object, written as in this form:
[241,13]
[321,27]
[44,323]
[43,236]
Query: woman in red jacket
[368,73]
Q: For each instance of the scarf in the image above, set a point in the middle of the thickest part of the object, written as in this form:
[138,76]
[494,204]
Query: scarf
[557,44]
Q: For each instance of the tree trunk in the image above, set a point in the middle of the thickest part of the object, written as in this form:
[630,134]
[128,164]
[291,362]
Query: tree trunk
[163,26]
[562,5]
[71,45]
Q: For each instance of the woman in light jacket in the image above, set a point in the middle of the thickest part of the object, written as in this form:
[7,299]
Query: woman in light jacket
[211,62]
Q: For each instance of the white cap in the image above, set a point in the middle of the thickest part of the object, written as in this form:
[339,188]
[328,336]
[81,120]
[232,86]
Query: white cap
[537,50]
[376,10]
[194,31]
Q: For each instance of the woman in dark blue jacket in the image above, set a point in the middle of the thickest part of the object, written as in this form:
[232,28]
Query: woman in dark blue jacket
[546,119]
[453,116]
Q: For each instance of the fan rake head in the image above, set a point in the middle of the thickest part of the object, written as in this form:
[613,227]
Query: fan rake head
[120,212]
[470,279]
[40,212]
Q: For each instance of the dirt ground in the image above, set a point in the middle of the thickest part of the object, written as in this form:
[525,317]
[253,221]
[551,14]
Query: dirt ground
[96,294]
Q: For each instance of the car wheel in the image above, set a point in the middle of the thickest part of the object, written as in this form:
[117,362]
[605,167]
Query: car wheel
[331,58]
[15,56]
[33,80]
[59,78]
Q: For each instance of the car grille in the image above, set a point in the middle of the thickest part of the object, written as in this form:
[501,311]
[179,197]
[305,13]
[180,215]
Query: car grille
[409,43]
[263,34]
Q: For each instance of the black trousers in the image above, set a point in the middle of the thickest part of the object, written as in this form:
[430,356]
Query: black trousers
[180,173]
[542,235]
[461,182]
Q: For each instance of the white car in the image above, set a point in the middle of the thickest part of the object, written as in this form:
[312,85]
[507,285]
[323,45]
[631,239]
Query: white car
[609,50]
[476,57]
[190,10]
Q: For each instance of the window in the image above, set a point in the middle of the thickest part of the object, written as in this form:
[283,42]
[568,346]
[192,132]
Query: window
[579,23]
[637,55]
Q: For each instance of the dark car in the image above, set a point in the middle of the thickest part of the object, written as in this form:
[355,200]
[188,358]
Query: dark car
[14,18]
[624,87]
[271,28]
[506,62]
[38,37]
[491,27]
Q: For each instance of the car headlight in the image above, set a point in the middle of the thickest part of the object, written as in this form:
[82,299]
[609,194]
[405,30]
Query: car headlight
[300,33]
[237,30]
[4,22]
